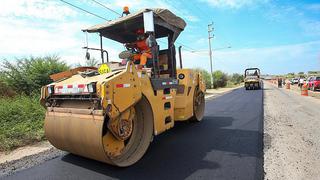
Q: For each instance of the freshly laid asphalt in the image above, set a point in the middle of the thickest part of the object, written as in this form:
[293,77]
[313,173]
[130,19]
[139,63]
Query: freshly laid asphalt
[227,144]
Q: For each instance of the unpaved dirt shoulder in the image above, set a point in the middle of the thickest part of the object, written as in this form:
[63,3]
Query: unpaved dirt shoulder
[291,135]
[213,93]
[24,151]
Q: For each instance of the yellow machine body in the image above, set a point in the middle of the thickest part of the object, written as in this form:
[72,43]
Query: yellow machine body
[252,79]
[89,128]
[111,113]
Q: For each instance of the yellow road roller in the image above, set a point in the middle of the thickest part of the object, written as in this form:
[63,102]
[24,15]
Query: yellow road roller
[111,113]
[252,79]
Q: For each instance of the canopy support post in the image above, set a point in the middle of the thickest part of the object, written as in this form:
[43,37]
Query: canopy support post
[180,58]
[101,49]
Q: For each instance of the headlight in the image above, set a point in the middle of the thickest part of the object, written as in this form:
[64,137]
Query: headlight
[91,87]
[51,90]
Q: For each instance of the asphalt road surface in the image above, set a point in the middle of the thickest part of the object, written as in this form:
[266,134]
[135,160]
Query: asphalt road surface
[227,144]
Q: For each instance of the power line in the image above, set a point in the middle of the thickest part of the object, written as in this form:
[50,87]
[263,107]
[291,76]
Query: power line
[191,51]
[84,10]
[188,47]
[106,7]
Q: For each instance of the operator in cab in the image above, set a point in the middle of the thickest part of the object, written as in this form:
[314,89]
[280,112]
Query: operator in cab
[142,49]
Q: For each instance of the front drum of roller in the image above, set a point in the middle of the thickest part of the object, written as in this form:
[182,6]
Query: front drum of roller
[76,133]
[88,135]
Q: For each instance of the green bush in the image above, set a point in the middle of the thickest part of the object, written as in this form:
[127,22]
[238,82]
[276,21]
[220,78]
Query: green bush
[21,115]
[21,121]
[220,79]
[236,78]
[28,75]
[5,90]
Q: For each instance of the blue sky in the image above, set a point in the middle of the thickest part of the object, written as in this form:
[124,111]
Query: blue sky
[277,36]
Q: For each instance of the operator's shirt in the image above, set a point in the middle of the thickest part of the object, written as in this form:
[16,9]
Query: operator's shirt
[142,46]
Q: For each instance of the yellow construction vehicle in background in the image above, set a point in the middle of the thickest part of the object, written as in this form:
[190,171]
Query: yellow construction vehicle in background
[111,114]
[252,79]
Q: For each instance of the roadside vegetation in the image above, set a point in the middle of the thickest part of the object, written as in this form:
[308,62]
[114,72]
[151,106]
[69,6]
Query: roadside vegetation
[300,74]
[21,119]
[221,79]
[28,75]
[21,115]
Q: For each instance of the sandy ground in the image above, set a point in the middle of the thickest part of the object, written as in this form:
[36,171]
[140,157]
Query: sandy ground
[24,151]
[291,135]
[25,162]
[220,91]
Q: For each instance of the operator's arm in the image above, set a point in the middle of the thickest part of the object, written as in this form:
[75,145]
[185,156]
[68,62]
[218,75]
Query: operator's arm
[131,45]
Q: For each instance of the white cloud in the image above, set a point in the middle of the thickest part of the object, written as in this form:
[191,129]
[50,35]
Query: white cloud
[234,4]
[174,6]
[18,37]
[277,59]
[43,9]
[38,27]
[202,41]
[283,13]
[191,18]
[311,27]
[35,26]
[194,60]
[313,7]
[288,14]
[129,3]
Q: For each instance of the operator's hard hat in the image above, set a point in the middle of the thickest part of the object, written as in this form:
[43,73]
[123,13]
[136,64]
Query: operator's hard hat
[140,31]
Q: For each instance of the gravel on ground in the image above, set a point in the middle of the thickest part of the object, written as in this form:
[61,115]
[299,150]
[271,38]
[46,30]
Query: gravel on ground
[24,151]
[291,135]
[26,162]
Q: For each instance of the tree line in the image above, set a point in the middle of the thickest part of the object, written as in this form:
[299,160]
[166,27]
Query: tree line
[221,79]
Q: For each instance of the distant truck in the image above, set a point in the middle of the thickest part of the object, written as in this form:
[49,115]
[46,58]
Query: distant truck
[252,79]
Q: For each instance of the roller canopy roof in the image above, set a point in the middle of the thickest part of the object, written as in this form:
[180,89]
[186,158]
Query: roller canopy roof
[123,29]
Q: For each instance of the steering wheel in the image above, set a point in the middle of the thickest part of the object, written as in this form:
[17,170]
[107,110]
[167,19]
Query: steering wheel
[132,49]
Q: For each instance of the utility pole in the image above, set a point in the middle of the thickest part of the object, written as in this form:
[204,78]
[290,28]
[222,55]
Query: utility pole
[210,29]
